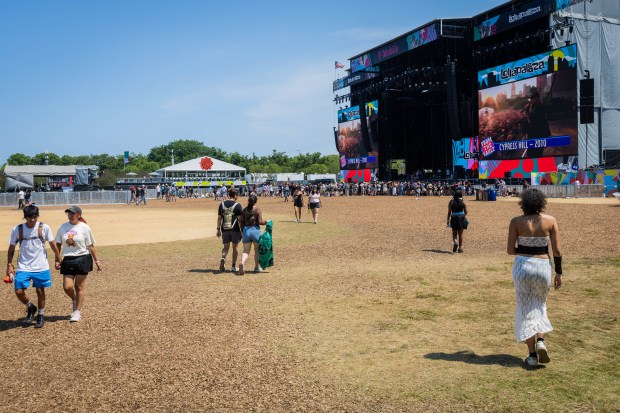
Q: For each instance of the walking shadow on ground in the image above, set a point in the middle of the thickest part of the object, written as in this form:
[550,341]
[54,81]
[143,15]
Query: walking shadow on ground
[470,357]
[208,271]
[19,323]
[438,251]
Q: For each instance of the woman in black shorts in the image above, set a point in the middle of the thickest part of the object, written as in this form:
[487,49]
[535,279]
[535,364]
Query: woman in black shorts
[457,219]
[314,203]
[298,203]
[75,241]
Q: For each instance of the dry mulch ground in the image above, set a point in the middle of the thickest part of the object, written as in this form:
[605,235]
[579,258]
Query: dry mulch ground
[367,311]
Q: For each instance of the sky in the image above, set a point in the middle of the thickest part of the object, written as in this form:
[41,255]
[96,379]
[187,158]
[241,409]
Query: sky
[91,77]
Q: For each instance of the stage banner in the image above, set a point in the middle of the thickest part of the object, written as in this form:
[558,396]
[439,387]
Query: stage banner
[549,62]
[353,79]
[358,175]
[562,4]
[510,19]
[397,47]
[465,153]
[354,152]
[517,168]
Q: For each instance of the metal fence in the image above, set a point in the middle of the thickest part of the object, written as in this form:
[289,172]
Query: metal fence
[69,198]
[558,191]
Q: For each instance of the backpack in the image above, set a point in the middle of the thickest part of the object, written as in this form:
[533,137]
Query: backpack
[229,219]
[21,233]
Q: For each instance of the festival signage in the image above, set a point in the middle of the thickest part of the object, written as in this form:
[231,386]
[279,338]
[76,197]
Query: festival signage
[397,47]
[559,59]
[562,4]
[527,108]
[354,153]
[353,79]
[465,153]
[507,20]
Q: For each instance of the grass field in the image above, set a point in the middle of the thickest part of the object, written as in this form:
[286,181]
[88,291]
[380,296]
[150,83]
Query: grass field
[368,311]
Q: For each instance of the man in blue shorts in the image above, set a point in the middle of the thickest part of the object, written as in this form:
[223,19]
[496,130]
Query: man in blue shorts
[32,263]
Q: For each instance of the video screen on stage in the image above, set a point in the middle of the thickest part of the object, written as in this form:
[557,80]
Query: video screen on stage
[356,150]
[528,108]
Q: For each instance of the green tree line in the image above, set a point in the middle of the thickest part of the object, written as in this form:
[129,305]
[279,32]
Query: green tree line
[158,157]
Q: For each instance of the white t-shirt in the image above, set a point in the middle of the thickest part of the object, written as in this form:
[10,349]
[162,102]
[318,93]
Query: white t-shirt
[74,239]
[32,253]
[314,198]
[20,195]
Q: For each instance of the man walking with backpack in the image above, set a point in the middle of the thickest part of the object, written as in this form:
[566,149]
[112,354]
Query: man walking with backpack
[32,263]
[228,227]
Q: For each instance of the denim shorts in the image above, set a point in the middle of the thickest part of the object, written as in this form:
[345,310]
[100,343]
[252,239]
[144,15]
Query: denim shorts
[40,279]
[251,234]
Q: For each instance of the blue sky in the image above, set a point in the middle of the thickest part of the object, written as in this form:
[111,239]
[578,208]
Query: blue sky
[92,76]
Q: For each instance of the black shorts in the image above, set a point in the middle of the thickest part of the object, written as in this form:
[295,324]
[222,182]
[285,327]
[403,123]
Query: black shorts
[313,205]
[458,222]
[231,236]
[80,265]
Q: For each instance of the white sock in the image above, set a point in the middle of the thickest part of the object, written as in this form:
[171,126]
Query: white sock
[28,304]
[41,311]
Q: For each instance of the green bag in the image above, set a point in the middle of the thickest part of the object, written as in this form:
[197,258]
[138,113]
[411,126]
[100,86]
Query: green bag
[265,247]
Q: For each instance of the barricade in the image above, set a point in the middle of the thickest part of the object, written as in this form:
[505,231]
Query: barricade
[69,198]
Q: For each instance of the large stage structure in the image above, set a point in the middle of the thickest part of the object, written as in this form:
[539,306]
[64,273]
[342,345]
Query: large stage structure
[528,87]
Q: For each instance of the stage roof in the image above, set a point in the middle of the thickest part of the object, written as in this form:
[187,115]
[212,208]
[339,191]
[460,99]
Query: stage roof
[194,165]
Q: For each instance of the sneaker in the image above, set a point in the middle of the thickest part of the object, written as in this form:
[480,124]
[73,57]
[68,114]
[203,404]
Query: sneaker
[258,269]
[241,270]
[222,262]
[541,351]
[460,251]
[531,361]
[75,316]
[455,247]
[233,268]
[40,321]
[32,310]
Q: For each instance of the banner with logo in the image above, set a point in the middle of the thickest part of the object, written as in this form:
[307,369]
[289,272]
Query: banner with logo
[397,47]
[510,19]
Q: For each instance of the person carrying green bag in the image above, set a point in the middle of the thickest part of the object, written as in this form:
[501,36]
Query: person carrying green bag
[265,246]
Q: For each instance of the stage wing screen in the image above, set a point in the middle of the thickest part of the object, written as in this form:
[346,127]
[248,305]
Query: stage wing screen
[528,108]
[356,150]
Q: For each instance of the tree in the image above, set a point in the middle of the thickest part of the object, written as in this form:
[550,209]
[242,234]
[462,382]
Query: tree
[19,159]
[316,168]
[184,150]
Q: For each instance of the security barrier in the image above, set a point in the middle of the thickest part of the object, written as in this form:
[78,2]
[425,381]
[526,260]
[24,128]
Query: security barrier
[69,198]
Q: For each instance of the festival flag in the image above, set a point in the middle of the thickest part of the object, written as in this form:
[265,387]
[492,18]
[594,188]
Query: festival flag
[339,65]
[126,158]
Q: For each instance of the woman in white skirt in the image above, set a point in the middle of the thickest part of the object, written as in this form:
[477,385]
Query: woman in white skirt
[528,238]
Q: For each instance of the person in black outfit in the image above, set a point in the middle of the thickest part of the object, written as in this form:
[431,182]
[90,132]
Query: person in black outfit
[457,220]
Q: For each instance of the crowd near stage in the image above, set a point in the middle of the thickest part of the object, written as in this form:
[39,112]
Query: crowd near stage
[522,91]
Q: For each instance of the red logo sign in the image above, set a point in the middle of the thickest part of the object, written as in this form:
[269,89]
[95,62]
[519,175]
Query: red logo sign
[206,163]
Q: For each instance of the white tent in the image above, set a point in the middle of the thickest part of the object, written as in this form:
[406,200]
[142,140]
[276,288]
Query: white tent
[193,169]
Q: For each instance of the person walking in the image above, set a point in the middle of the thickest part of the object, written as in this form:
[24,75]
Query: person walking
[250,221]
[298,203]
[528,238]
[141,195]
[32,263]
[457,220]
[228,228]
[21,195]
[75,241]
[314,203]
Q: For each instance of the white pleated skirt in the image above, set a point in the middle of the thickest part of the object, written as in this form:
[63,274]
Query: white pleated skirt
[532,280]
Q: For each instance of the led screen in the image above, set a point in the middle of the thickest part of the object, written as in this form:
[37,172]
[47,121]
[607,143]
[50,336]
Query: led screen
[528,109]
[355,151]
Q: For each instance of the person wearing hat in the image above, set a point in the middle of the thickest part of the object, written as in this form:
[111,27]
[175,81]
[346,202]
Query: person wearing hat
[32,262]
[76,242]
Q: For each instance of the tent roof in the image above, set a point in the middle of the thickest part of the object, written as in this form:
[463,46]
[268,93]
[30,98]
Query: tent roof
[41,170]
[194,165]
